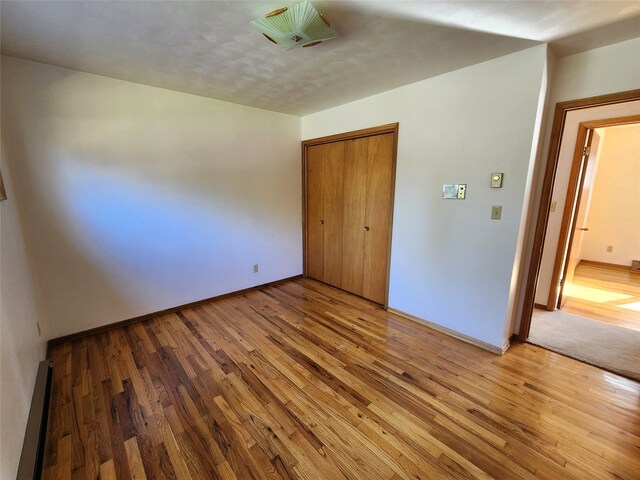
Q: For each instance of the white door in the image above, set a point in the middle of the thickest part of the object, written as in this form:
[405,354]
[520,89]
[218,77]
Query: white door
[580,228]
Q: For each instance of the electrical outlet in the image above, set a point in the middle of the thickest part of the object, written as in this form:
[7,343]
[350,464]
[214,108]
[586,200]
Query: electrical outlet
[462,191]
[496,212]
[609,248]
[255,268]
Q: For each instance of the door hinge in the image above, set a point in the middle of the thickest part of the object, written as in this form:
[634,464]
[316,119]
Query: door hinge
[586,151]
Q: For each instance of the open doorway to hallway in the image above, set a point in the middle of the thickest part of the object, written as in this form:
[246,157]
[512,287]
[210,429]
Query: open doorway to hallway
[586,295]
[599,281]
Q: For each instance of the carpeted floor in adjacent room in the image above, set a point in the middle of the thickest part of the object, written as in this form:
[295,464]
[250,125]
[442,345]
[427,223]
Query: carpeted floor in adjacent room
[611,347]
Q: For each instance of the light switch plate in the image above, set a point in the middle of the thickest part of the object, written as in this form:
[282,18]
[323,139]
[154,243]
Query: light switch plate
[496,180]
[496,212]
[456,191]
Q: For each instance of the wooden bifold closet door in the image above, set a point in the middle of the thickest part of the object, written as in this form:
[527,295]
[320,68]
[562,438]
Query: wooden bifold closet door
[349,186]
[325,164]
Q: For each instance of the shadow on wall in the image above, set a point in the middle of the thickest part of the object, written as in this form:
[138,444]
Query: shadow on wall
[155,234]
[21,346]
[47,239]
[137,203]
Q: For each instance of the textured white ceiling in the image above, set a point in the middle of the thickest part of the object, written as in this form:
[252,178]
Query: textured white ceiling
[208,47]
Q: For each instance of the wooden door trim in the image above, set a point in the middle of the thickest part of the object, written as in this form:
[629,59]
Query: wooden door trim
[566,237]
[561,111]
[569,223]
[365,132]
[391,209]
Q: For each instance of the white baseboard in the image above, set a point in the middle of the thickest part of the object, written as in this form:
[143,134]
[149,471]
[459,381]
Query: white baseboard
[452,333]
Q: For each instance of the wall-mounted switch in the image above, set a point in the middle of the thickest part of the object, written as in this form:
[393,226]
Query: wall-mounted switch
[454,191]
[255,268]
[554,204]
[496,212]
[496,180]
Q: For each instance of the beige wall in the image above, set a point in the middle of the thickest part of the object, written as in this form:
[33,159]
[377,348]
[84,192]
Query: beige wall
[614,68]
[21,348]
[614,216]
[137,199]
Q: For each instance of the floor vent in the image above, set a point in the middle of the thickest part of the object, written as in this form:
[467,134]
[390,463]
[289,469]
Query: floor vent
[32,457]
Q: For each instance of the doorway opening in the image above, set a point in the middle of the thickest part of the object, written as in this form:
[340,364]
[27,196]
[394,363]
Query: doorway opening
[607,150]
[579,275]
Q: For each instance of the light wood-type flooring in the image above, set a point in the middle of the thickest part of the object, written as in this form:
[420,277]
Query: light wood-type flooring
[301,380]
[607,294]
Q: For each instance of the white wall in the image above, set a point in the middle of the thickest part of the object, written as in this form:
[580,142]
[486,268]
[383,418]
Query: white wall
[601,71]
[20,346]
[138,199]
[614,68]
[614,216]
[450,263]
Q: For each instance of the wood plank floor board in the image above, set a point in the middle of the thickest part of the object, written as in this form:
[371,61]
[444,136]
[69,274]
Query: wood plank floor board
[605,293]
[303,381]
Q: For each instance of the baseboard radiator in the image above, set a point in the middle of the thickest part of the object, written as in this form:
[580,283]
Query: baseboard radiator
[32,457]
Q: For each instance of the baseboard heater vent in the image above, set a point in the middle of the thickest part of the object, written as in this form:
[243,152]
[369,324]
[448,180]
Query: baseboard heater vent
[635,265]
[32,457]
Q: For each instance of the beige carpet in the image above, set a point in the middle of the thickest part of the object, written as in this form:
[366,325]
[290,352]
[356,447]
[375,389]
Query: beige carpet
[613,348]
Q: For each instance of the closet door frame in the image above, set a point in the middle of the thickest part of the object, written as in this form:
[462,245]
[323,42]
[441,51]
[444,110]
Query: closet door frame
[367,132]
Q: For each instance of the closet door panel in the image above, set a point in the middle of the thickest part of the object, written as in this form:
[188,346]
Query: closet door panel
[333,174]
[355,196]
[348,209]
[378,216]
[315,213]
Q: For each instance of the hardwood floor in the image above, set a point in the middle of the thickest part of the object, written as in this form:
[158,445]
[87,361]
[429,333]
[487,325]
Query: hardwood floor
[301,380]
[604,293]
